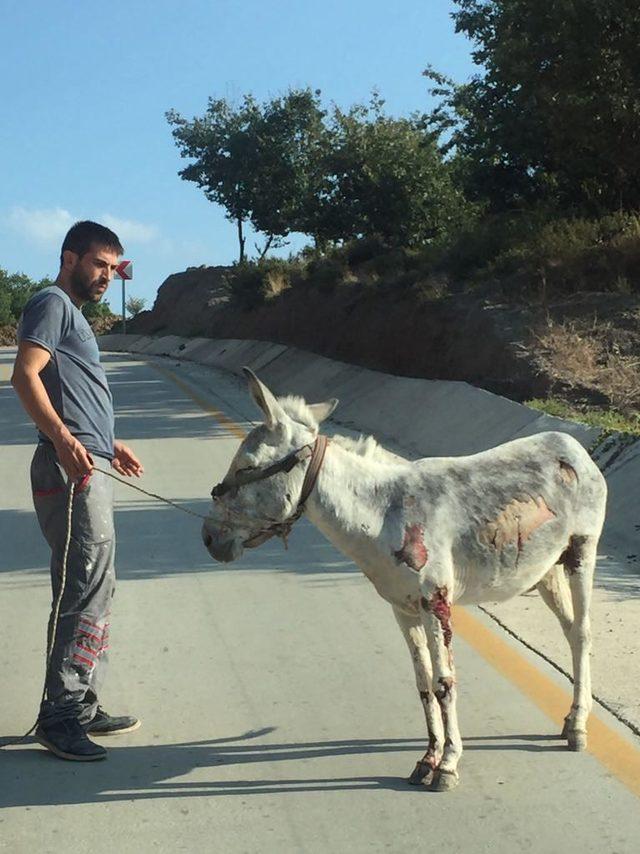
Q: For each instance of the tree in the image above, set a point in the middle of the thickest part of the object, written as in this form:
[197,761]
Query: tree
[387,179]
[555,115]
[135,305]
[292,140]
[255,160]
[223,144]
[16,289]
[286,165]
[93,310]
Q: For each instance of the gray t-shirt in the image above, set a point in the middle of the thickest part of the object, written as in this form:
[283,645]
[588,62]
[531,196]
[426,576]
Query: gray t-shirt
[74,378]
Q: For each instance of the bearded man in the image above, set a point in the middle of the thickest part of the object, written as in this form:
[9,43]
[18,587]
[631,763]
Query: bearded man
[64,389]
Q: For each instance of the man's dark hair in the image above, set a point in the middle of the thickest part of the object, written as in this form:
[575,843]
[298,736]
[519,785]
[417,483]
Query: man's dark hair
[84,234]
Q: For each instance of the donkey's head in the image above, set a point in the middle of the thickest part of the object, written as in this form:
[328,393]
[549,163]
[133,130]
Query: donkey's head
[261,493]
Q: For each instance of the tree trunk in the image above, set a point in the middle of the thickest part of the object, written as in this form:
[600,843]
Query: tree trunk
[241,239]
[266,247]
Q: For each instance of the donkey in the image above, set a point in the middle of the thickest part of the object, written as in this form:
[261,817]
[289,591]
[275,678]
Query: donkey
[427,534]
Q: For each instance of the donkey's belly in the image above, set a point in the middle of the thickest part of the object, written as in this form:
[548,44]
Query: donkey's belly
[501,577]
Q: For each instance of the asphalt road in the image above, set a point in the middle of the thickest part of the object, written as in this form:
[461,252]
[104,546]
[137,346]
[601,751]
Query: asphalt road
[277,697]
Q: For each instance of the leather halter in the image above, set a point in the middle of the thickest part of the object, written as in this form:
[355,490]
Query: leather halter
[286,464]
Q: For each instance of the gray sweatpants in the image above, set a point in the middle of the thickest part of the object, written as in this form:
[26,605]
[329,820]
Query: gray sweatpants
[79,657]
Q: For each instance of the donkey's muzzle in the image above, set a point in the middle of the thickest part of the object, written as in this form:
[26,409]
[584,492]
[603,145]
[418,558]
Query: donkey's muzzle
[222,550]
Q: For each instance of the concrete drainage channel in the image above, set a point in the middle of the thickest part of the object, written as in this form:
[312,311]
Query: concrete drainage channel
[421,418]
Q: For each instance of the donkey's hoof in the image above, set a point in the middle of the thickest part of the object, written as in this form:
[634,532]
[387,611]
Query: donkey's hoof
[421,774]
[577,740]
[444,781]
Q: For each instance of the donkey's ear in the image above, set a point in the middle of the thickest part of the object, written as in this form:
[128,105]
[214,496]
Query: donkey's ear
[273,412]
[321,411]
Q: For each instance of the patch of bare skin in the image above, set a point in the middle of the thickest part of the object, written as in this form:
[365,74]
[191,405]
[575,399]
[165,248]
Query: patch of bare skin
[439,605]
[413,552]
[516,523]
[568,473]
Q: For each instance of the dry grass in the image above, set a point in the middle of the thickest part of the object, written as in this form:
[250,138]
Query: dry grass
[580,355]
[7,335]
[274,283]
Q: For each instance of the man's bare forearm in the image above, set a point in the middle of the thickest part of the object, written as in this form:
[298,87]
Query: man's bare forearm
[33,395]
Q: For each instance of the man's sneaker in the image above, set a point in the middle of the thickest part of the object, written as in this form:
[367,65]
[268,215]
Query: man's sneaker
[105,724]
[68,740]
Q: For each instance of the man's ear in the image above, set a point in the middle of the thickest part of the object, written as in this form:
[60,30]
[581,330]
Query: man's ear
[69,259]
[265,400]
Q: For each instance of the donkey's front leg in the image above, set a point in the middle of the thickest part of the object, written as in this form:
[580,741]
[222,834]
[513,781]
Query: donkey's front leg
[413,633]
[435,605]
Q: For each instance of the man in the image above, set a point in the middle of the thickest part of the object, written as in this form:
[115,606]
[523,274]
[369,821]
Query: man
[63,387]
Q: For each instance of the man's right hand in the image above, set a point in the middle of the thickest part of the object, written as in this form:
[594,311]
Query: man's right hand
[73,457]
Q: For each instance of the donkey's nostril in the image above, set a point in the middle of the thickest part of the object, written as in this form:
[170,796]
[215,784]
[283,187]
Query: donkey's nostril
[207,539]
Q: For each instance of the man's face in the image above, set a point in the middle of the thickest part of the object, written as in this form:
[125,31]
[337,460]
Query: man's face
[93,271]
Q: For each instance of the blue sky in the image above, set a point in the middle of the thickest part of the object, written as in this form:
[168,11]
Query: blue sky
[84,87]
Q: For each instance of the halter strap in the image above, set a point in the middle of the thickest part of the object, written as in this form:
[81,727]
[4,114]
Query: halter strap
[310,478]
[286,464]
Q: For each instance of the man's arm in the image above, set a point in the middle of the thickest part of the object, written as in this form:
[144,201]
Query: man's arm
[30,361]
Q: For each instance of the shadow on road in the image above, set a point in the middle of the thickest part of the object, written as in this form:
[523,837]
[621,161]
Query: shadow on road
[146,406]
[33,777]
[157,540]
[621,580]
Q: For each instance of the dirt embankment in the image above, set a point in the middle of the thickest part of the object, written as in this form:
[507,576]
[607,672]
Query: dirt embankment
[586,350]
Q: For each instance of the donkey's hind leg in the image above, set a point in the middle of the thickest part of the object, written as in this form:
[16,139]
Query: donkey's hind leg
[579,561]
[556,593]
[413,633]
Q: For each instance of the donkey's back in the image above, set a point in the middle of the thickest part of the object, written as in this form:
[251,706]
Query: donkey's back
[507,515]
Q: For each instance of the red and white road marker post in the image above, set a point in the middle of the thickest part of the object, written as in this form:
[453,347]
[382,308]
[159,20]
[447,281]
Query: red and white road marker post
[124,271]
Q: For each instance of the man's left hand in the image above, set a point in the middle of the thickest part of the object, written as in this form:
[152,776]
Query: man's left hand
[125,461]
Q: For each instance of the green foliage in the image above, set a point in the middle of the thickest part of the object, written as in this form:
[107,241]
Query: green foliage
[93,310]
[388,181]
[326,272]
[286,165]
[576,254]
[259,162]
[253,283]
[359,251]
[292,144]
[6,315]
[554,115]
[609,420]
[16,289]
[135,305]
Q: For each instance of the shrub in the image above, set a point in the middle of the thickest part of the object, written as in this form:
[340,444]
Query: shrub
[252,283]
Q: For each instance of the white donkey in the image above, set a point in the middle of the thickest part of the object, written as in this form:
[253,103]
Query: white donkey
[427,533]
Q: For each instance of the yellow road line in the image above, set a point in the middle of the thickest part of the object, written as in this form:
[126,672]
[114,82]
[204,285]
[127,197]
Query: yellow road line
[231,426]
[615,752]
[5,373]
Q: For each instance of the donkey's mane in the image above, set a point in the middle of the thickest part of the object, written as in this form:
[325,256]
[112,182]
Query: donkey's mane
[364,446]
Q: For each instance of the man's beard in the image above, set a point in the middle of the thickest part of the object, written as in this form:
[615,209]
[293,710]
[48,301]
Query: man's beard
[81,286]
